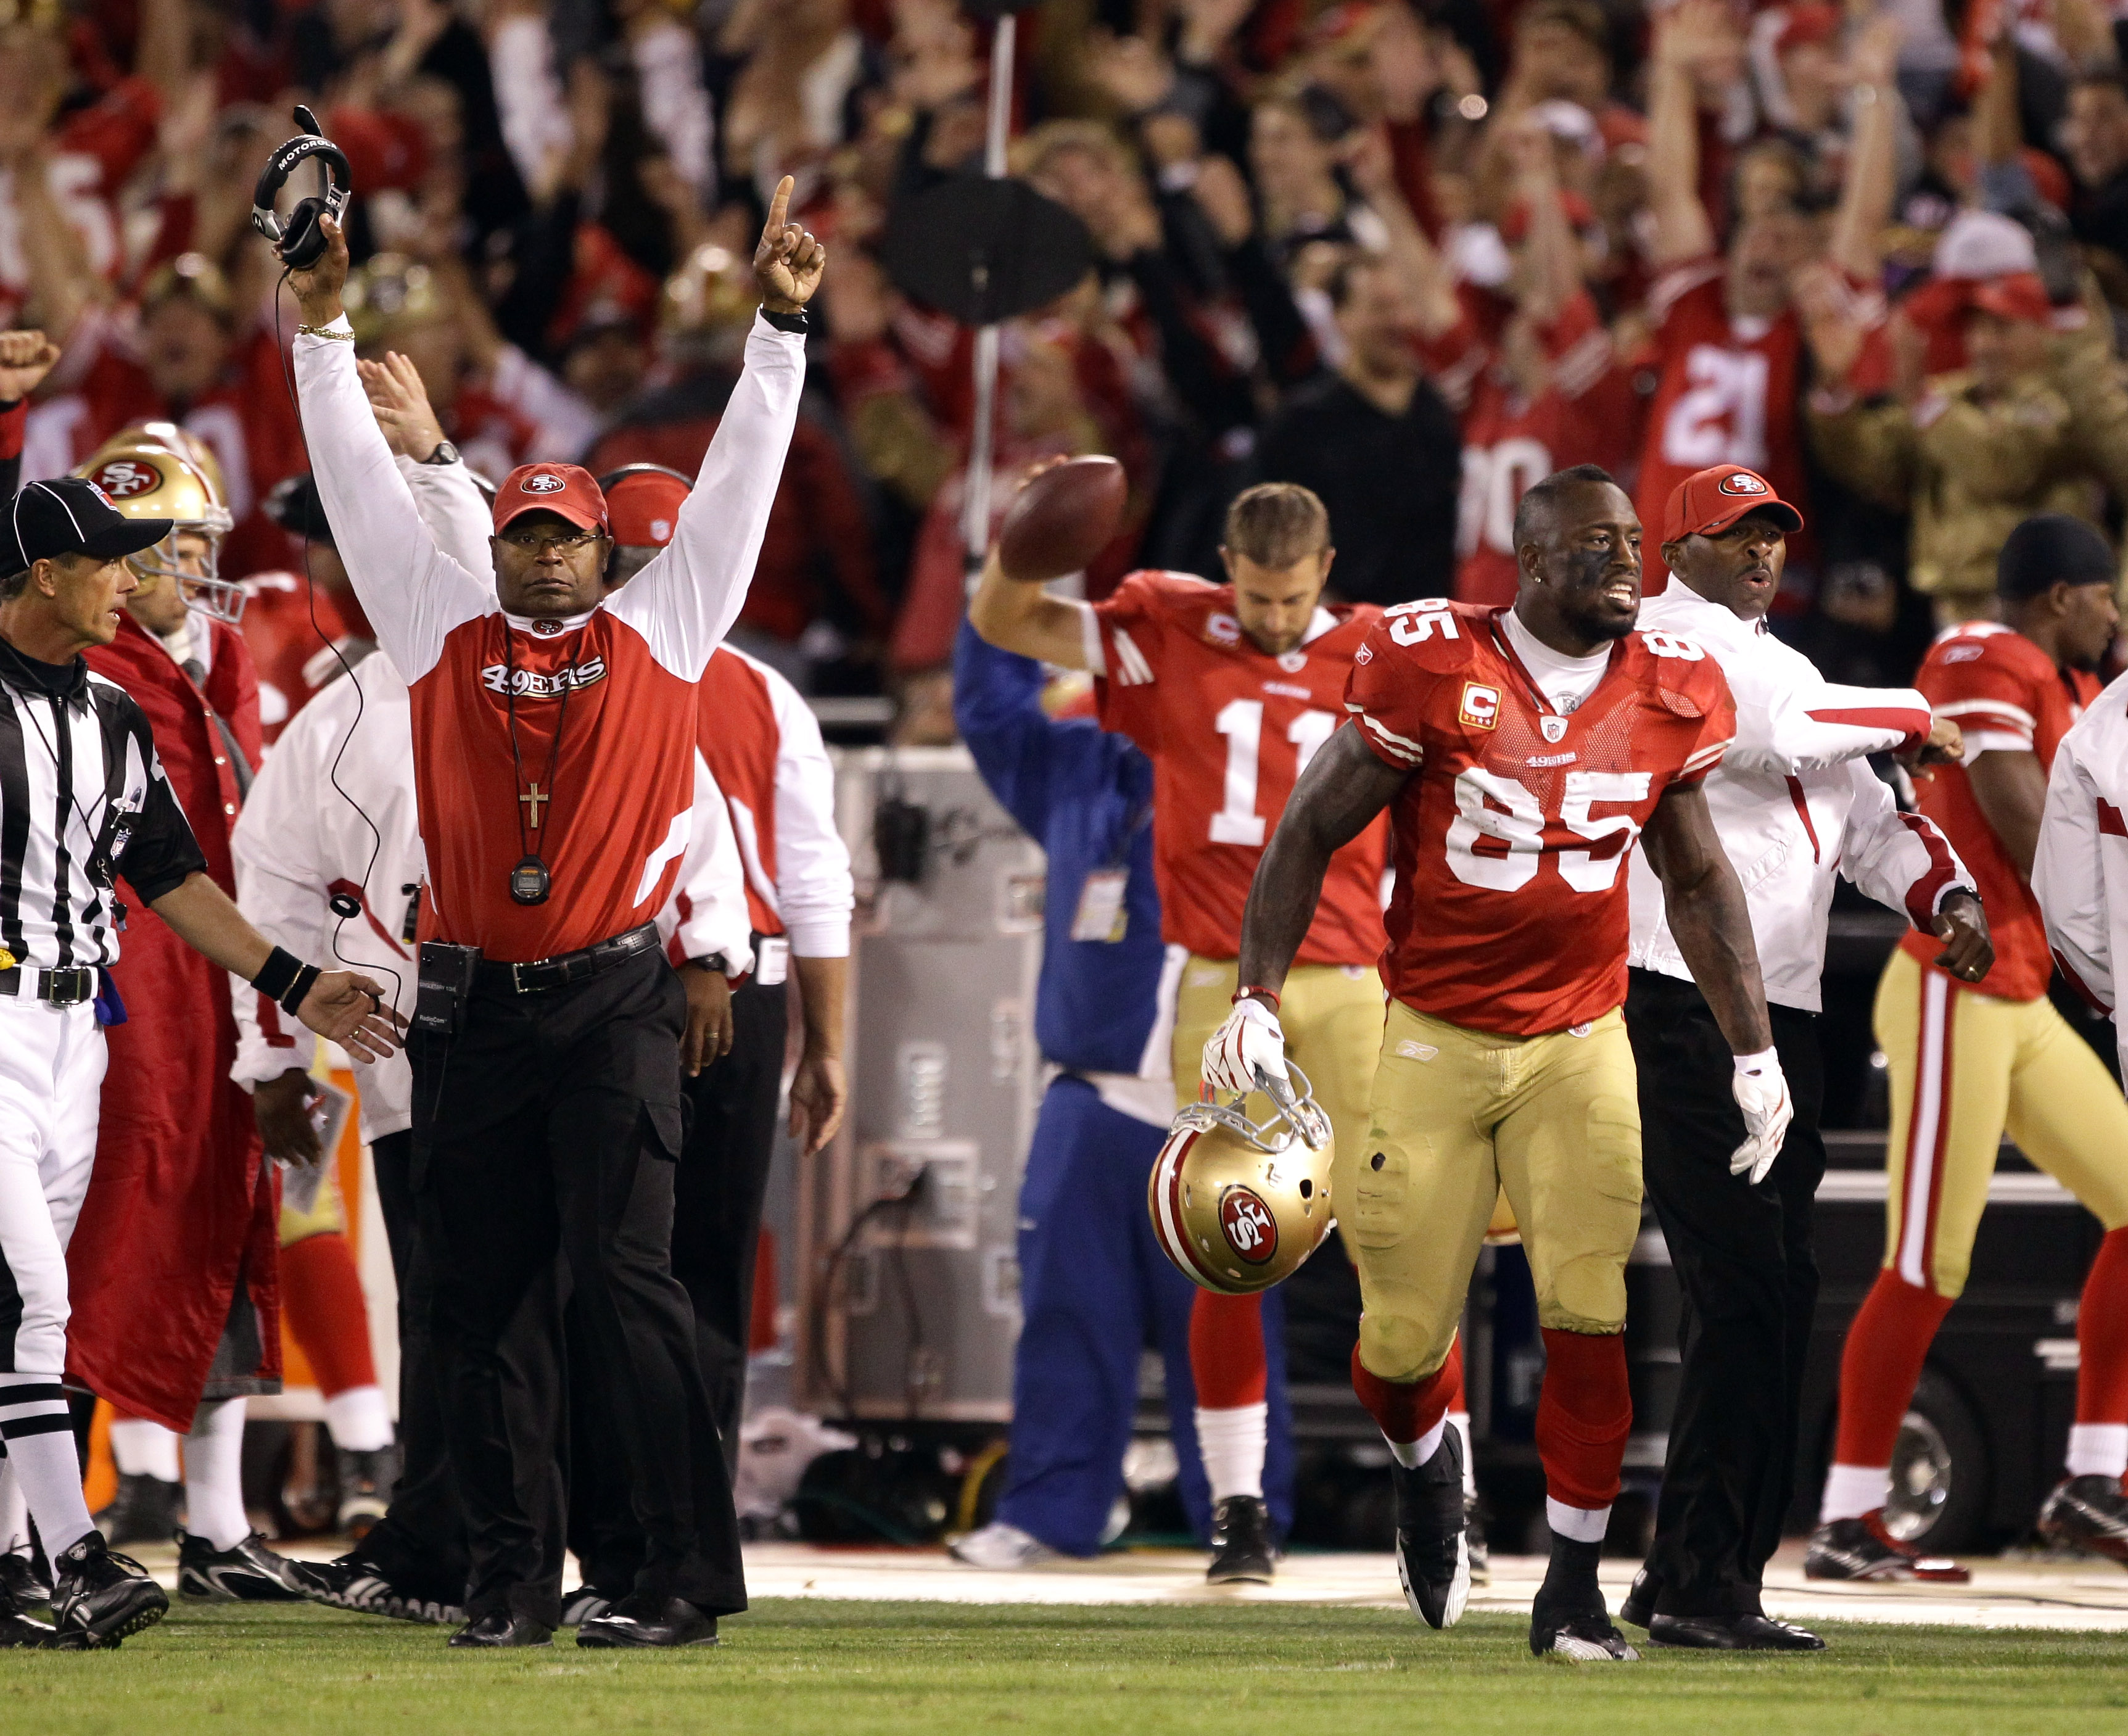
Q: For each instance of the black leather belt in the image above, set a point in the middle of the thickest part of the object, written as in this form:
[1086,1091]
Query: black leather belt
[535,975]
[68,987]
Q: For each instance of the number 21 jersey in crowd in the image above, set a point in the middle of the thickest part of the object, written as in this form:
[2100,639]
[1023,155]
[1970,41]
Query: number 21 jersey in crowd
[1229,729]
[1510,842]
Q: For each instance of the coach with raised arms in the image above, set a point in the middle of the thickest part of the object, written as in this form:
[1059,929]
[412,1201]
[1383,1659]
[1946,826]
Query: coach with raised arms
[555,745]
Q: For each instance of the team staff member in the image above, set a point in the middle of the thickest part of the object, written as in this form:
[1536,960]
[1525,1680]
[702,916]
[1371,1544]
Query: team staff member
[1794,798]
[1970,1063]
[1231,689]
[1094,1288]
[551,1022]
[82,802]
[1492,737]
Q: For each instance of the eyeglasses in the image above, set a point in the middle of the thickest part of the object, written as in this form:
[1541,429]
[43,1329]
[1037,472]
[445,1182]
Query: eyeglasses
[537,542]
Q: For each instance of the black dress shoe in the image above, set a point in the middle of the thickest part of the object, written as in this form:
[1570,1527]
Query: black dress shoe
[640,1620]
[1731,1633]
[1640,1604]
[502,1628]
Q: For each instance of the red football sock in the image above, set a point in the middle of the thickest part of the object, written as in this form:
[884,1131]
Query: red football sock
[321,1295]
[1886,1345]
[2101,1334]
[1458,1401]
[1584,1412]
[1226,1350]
[1406,1410]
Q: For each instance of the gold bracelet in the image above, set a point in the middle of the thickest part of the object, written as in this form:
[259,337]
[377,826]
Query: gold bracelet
[321,331]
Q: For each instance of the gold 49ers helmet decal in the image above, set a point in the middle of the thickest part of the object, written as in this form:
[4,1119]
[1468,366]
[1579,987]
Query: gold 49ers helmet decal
[148,479]
[1238,1205]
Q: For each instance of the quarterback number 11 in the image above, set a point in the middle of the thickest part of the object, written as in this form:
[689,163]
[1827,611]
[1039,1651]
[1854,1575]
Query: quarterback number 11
[1240,721]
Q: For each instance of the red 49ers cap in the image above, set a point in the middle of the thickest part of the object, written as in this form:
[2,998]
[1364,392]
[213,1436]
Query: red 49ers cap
[644,501]
[568,489]
[1708,501]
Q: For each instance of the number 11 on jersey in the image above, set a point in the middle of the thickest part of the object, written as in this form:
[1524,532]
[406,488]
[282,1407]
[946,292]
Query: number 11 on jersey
[1240,721]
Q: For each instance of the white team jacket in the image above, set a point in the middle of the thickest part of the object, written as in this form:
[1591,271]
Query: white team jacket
[1794,803]
[811,890]
[2080,870]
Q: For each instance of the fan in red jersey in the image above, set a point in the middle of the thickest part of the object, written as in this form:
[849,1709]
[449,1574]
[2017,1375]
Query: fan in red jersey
[1231,690]
[1728,345]
[1519,753]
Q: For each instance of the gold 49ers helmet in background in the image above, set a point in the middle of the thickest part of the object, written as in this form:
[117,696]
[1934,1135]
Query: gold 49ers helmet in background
[148,477]
[1237,1205]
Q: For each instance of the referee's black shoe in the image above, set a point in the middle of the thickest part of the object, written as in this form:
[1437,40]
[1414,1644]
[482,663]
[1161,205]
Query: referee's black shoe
[642,1618]
[100,1597]
[247,1572]
[501,1630]
[1731,1633]
[1433,1542]
[1242,1552]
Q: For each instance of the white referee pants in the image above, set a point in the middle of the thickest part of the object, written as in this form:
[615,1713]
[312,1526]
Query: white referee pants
[51,1079]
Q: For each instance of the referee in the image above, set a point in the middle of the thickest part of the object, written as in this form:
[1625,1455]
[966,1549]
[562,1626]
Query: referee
[553,746]
[1794,804]
[88,820]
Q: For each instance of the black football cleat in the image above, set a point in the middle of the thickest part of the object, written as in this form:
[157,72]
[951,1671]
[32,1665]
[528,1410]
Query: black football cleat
[2087,1513]
[586,1603]
[18,1630]
[248,1572]
[365,1488]
[22,1587]
[1242,1552]
[100,1597]
[144,1510]
[501,1630]
[1432,1539]
[1863,1549]
[1730,1633]
[1474,1539]
[1583,1636]
[351,1581]
[640,1620]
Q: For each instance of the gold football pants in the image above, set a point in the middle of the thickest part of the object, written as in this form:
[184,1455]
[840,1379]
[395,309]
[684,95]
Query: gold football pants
[1459,1116]
[1331,1015]
[1964,1068]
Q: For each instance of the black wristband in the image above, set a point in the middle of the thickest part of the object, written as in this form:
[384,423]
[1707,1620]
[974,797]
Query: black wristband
[280,969]
[306,978]
[792,322]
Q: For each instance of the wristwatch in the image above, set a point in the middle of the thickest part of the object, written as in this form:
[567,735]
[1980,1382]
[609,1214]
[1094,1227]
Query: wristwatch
[444,453]
[715,961]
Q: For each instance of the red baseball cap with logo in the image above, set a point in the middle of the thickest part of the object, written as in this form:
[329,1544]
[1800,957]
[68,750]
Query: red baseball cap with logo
[644,501]
[568,489]
[1708,501]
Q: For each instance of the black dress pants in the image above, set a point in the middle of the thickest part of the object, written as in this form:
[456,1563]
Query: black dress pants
[549,1123]
[718,1194]
[1744,1261]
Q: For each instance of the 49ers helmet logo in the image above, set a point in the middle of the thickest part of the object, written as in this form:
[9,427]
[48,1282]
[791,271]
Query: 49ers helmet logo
[1742,482]
[1251,1231]
[545,481]
[124,478]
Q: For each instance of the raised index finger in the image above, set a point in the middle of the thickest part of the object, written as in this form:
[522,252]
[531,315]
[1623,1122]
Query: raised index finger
[779,208]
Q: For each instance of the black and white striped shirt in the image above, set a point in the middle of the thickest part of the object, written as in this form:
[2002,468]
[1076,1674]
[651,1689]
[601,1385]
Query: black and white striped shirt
[83,800]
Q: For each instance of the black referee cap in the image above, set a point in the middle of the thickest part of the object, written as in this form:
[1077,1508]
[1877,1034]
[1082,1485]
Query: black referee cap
[69,514]
[2050,548]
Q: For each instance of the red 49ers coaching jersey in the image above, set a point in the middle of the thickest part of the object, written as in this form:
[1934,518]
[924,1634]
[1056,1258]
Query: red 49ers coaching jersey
[613,808]
[1227,729]
[1510,842]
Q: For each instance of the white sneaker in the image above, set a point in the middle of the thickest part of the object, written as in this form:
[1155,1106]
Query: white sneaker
[1000,1546]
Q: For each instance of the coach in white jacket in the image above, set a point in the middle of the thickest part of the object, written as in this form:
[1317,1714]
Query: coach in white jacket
[1795,804]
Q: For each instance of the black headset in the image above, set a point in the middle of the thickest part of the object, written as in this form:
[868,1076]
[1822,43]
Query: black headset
[301,241]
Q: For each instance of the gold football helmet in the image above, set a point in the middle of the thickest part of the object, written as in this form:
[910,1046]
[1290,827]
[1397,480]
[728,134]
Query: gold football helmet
[148,479]
[1238,1205]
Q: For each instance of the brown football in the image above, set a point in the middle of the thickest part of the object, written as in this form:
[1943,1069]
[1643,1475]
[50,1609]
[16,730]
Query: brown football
[1062,519]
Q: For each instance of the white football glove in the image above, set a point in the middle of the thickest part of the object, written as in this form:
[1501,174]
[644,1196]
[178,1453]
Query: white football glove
[1250,1039]
[1762,1093]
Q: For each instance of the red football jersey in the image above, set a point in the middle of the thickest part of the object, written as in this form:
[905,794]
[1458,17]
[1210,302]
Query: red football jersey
[1726,396]
[1510,842]
[1586,415]
[2006,694]
[1229,729]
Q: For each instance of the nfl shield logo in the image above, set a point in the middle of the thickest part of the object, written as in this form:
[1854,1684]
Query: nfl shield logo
[1554,728]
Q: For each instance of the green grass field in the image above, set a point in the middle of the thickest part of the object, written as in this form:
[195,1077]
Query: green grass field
[851,1669]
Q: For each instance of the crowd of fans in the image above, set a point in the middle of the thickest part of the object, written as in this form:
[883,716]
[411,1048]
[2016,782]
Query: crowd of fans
[1414,253]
